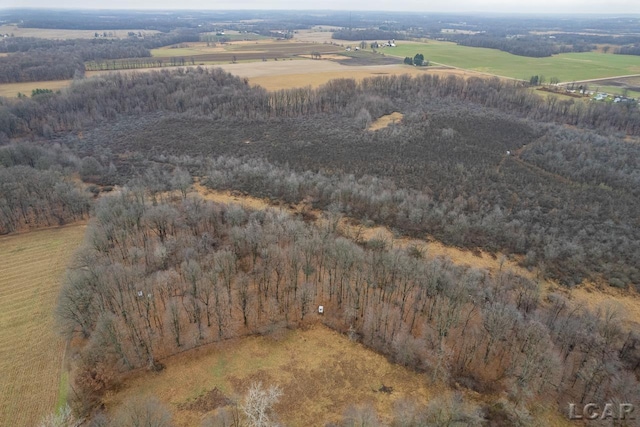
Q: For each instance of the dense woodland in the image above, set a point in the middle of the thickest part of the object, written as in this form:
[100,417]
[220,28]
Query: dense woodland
[32,59]
[629,49]
[529,45]
[367,34]
[162,274]
[538,46]
[36,188]
[445,167]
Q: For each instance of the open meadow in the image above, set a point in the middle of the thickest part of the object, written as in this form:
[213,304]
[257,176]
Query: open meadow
[11,90]
[321,374]
[31,351]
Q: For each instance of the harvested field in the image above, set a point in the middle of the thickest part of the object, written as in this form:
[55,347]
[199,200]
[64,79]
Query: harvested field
[31,352]
[241,51]
[276,76]
[47,33]
[272,75]
[317,34]
[363,57]
[11,90]
[330,56]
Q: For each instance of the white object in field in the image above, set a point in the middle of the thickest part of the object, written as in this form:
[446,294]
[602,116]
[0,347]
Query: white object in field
[321,309]
[139,293]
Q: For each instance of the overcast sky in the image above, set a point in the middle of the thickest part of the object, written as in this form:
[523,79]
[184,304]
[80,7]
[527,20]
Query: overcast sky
[507,6]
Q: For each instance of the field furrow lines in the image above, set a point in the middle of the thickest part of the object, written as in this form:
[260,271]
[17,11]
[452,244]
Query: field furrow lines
[11,279]
[21,291]
[32,270]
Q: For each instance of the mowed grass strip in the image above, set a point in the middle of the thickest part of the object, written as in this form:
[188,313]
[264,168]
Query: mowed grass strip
[566,66]
[31,351]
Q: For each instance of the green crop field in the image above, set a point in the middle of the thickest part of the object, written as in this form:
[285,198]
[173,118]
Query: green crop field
[567,66]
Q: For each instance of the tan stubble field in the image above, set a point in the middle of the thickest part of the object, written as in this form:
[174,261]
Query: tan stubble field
[32,267]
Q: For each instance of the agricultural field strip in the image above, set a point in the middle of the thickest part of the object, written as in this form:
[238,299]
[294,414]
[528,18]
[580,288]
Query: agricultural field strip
[63,34]
[11,277]
[30,350]
[567,67]
[240,51]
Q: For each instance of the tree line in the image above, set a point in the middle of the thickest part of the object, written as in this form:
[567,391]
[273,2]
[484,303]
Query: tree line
[92,100]
[629,50]
[36,189]
[528,45]
[32,59]
[367,34]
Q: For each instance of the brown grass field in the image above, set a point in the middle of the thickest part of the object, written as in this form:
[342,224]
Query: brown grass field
[32,267]
[272,75]
[320,372]
[316,73]
[11,90]
[385,121]
[47,33]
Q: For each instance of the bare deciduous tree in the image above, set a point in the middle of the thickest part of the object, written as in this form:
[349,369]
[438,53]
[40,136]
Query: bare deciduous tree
[258,405]
[142,412]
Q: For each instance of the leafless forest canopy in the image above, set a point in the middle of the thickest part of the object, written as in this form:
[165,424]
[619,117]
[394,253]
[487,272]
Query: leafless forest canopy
[480,164]
[565,198]
[161,275]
